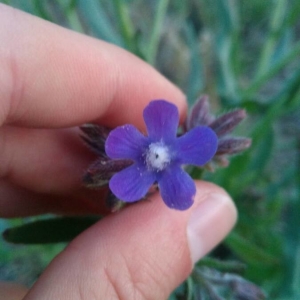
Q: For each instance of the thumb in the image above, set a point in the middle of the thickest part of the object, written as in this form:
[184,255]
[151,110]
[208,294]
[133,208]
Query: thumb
[143,252]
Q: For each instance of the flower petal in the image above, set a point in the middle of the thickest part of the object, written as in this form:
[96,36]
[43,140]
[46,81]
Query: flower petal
[161,118]
[125,142]
[197,146]
[177,188]
[132,183]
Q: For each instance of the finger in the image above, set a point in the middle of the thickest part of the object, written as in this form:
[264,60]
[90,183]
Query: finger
[143,252]
[11,291]
[43,160]
[16,201]
[42,171]
[53,77]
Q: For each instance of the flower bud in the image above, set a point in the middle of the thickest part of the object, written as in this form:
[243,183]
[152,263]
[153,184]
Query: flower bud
[245,290]
[227,122]
[95,137]
[199,114]
[101,171]
[232,145]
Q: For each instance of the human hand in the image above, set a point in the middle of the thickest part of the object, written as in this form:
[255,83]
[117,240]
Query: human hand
[53,80]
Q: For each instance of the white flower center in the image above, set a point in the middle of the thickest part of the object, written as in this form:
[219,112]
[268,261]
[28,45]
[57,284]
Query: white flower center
[157,156]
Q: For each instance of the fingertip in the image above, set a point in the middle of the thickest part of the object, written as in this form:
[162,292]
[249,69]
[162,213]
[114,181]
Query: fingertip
[213,216]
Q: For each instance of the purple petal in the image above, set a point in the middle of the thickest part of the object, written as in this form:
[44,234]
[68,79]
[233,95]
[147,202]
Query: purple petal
[125,142]
[177,188]
[161,118]
[132,183]
[197,146]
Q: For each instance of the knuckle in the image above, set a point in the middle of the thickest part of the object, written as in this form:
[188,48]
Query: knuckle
[11,88]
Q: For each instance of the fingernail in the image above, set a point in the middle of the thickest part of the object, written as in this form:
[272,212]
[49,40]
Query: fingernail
[210,221]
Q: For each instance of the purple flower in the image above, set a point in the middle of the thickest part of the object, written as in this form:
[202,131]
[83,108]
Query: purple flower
[159,156]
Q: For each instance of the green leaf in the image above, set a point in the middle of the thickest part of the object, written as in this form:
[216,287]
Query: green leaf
[53,230]
[222,265]
[195,80]
[249,252]
[27,6]
[276,23]
[42,11]
[98,21]
[262,152]
[156,32]
[293,14]
[272,71]
[292,237]
[125,25]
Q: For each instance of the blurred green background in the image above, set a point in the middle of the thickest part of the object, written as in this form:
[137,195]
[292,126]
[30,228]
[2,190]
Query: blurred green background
[242,54]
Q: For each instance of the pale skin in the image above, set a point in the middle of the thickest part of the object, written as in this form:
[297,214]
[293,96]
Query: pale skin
[53,80]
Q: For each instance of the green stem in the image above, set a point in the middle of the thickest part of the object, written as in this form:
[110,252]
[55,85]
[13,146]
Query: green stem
[190,288]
